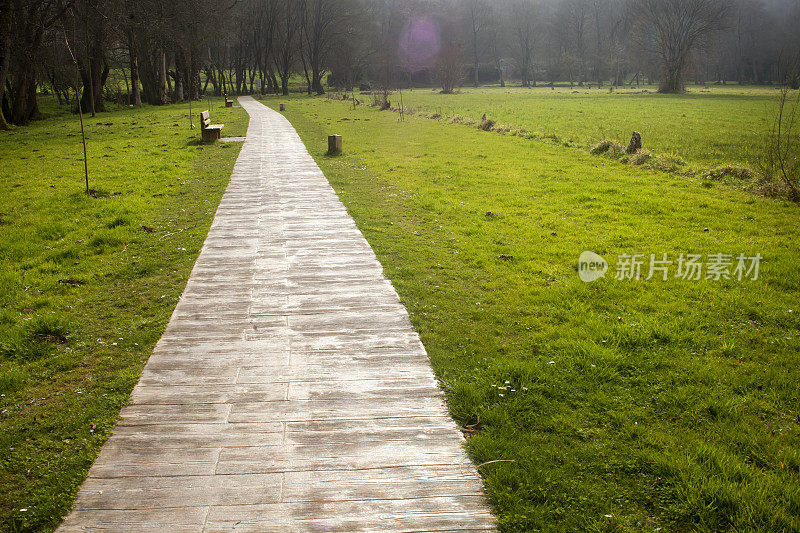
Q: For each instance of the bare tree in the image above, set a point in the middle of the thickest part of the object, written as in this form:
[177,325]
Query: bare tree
[497,44]
[31,20]
[525,27]
[322,22]
[449,68]
[287,28]
[577,15]
[90,49]
[478,14]
[265,19]
[5,56]
[678,28]
[782,144]
[161,47]
[597,9]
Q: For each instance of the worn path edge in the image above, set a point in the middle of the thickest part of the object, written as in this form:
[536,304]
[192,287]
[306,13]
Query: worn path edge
[289,391]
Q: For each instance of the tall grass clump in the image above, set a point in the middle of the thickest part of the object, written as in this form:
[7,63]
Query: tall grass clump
[35,338]
[608,147]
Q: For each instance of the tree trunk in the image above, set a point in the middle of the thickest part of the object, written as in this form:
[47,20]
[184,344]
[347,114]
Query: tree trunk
[180,77]
[672,76]
[273,81]
[316,82]
[210,77]
[92,75]
[136,91]
[500,72]
[192,76]
[476,60]
[5,58]
[21,105]
[162,77]
[599,52]
[305,72]
[23,100]
[223,88]
[168,78]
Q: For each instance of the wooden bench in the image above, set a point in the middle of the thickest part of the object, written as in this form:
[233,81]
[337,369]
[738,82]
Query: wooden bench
[210,132]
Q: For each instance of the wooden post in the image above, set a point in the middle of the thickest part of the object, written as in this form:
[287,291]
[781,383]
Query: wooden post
[283,107]
[334,144]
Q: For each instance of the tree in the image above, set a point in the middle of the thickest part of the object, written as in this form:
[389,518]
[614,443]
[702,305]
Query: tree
[284,45]
[779,159]
[577,15]
[478,19]
[597,9]
[91,52]
[497,45]
[5,56]
[31,20]
[322,22]
[264,16]
[449,68]
[525,27]
[678,28]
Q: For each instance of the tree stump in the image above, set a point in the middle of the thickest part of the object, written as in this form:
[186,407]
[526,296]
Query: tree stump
[636,143]
[283,107]
[334,144]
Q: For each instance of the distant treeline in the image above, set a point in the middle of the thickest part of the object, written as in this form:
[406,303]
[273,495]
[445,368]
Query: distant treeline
[182,49]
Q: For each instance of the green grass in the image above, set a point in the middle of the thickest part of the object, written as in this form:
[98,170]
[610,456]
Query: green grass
[706,127]
[611,406]
[87,285]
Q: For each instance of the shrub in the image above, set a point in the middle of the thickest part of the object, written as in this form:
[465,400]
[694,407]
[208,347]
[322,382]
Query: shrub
[449,69]
[380,99]
[486,124]
[779,161]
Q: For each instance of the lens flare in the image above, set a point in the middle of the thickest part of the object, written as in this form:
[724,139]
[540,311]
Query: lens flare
[420,43]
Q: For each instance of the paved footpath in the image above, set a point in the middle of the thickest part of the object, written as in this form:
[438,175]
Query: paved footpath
[289,391]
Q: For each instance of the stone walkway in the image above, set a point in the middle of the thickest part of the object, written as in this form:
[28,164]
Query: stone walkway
[289,391]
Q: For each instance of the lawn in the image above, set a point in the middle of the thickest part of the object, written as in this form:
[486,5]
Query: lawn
[706,127]
[87,284]
[607,406]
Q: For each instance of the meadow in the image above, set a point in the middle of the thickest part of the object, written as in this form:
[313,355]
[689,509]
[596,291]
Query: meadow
[707,127]
[88,283]
[618,405]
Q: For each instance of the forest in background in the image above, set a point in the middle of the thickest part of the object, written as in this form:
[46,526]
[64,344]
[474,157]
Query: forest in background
[158,52]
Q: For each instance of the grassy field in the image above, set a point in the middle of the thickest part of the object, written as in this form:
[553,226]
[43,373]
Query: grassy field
[706,127]
[611,406]
[87,284]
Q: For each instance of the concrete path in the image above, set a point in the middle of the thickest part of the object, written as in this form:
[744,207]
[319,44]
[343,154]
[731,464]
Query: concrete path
[289,391]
